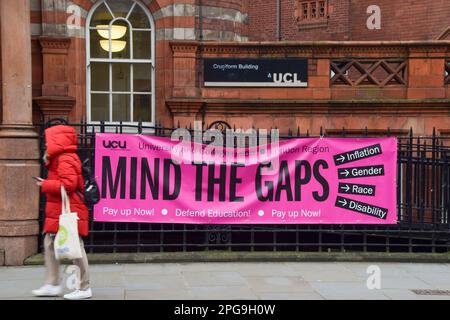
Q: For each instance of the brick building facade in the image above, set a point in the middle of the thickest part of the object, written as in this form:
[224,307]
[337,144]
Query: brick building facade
[394,77]
[345,20]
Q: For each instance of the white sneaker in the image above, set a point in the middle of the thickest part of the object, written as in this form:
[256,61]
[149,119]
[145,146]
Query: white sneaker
[47,290]
[79,295]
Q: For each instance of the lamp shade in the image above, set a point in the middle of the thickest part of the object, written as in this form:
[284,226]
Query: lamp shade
[117,32]
[116,45]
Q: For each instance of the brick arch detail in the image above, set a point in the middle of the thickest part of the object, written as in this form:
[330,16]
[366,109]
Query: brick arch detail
[152,5]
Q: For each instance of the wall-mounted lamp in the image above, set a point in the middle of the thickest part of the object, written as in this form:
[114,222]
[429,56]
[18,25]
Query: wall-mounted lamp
[116,45]
[117,32]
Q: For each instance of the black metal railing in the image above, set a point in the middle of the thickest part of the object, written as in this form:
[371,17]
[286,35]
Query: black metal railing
[423,193]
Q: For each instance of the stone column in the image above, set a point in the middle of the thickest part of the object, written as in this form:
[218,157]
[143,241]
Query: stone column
[19,144]
[55,101]
[185,70]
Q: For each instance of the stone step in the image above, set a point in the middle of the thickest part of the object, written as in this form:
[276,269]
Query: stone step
[261,256]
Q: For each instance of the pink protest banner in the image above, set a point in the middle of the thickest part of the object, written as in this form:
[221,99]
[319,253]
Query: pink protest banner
[314,181]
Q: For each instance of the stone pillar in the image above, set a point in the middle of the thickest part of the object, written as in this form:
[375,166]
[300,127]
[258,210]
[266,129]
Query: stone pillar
[185,70]
[426,67]
[19,144]
[55,101]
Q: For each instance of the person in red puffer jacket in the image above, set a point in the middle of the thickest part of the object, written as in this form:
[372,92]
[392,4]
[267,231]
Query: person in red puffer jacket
[64,169]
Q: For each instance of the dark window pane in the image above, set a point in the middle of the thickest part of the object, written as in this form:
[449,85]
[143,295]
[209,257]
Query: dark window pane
[142,105]
[138,18]
[101,16]
[121,107]
[99,107]
[120,8]
[142,44]
[121,77]
[96,50]
[142,77]
[99,76]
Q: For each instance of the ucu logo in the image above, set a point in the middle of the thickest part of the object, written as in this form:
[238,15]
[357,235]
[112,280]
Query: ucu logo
[113,144]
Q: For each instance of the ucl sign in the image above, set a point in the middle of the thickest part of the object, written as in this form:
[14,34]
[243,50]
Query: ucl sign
[247,72]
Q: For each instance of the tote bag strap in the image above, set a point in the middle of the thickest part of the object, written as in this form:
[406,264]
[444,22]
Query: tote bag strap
[65,202]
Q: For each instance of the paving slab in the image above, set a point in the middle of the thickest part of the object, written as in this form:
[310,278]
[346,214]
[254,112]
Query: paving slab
[21,273]
[279,284]
[18,288]
[425,267]
[347,291]
[214,278]
[389,270]
[102,268]
[263,269]
[157,294]
[152,269]
[440,280]
[339,275]
[151,282]
[404,294]
[289,296]
[107,279]
[109,293]
[404,283]
[222,292]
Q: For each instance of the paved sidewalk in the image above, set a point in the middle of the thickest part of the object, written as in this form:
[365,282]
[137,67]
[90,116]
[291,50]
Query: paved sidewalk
[269,280]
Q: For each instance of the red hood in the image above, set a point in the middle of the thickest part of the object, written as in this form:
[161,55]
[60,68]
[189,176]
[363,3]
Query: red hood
[60,139]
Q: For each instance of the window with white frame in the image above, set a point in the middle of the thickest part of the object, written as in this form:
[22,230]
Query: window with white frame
[120,62]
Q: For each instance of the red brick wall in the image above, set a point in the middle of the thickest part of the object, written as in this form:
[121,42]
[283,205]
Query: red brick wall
[262,20]
[400,20]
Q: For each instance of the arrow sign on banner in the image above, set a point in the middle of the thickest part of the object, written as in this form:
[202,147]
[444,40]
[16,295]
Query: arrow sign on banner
[361,172]
[358,154]
[360,189]
[339,160]
[361,207]
[344,173]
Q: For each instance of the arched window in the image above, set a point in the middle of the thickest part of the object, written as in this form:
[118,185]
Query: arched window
[120,50]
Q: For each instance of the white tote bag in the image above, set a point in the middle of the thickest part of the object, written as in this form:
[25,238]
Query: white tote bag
[67,241]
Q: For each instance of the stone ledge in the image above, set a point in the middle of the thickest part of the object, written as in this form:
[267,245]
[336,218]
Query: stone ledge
[226,256]
[324,49]
[286,106]
[17,228]
[2,257]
